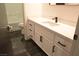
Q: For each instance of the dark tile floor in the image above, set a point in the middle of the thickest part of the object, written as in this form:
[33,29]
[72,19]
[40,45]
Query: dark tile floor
[25,47]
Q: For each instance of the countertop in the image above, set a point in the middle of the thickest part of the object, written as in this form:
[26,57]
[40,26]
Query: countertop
[63,29]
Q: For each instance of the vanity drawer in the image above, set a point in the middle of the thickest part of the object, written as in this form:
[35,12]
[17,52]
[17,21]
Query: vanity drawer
[63,43]
[30,29]
[30,34]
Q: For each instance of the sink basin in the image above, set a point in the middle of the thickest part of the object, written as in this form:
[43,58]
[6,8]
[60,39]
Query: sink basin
[51,23]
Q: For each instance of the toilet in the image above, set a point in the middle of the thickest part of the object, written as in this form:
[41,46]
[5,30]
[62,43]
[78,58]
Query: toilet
[21,25]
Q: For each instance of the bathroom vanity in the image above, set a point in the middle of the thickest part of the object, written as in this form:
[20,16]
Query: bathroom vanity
[55,39]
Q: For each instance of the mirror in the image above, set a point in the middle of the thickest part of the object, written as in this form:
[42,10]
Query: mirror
[63,3]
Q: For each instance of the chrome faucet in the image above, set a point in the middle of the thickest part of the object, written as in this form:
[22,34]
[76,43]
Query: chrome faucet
[56,19]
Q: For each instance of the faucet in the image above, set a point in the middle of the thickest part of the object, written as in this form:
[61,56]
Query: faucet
[56,19]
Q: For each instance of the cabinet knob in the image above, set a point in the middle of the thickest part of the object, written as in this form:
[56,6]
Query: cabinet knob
[53,49]
[30,24]
[31,36]
[41,37]
[30,29]
[75,37]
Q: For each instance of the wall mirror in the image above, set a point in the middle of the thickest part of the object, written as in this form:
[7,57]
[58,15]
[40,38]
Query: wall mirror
[63,3]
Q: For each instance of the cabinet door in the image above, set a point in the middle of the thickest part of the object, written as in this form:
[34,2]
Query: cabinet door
[38,39]
[63,43]
[59,51]
[47,46]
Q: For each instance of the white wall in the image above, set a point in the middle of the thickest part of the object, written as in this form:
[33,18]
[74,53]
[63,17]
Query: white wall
[14,12]
[3,16]
[34,10]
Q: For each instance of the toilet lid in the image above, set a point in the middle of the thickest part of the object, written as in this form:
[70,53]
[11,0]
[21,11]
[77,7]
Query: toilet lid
[21,24]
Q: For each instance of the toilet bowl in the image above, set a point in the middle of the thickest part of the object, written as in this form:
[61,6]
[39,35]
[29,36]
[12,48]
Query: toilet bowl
[21,25]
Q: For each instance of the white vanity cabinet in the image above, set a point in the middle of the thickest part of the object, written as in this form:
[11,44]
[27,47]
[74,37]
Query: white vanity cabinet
[30,29]
[51,42]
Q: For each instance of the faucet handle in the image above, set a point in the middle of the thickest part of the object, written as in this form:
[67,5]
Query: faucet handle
[56,19]
[53,18]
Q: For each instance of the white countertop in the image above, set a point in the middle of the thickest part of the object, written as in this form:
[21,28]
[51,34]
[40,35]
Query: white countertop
[63,29]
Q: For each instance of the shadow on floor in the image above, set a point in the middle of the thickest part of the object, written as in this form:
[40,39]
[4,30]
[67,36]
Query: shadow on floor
[25,47]
[33,49]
